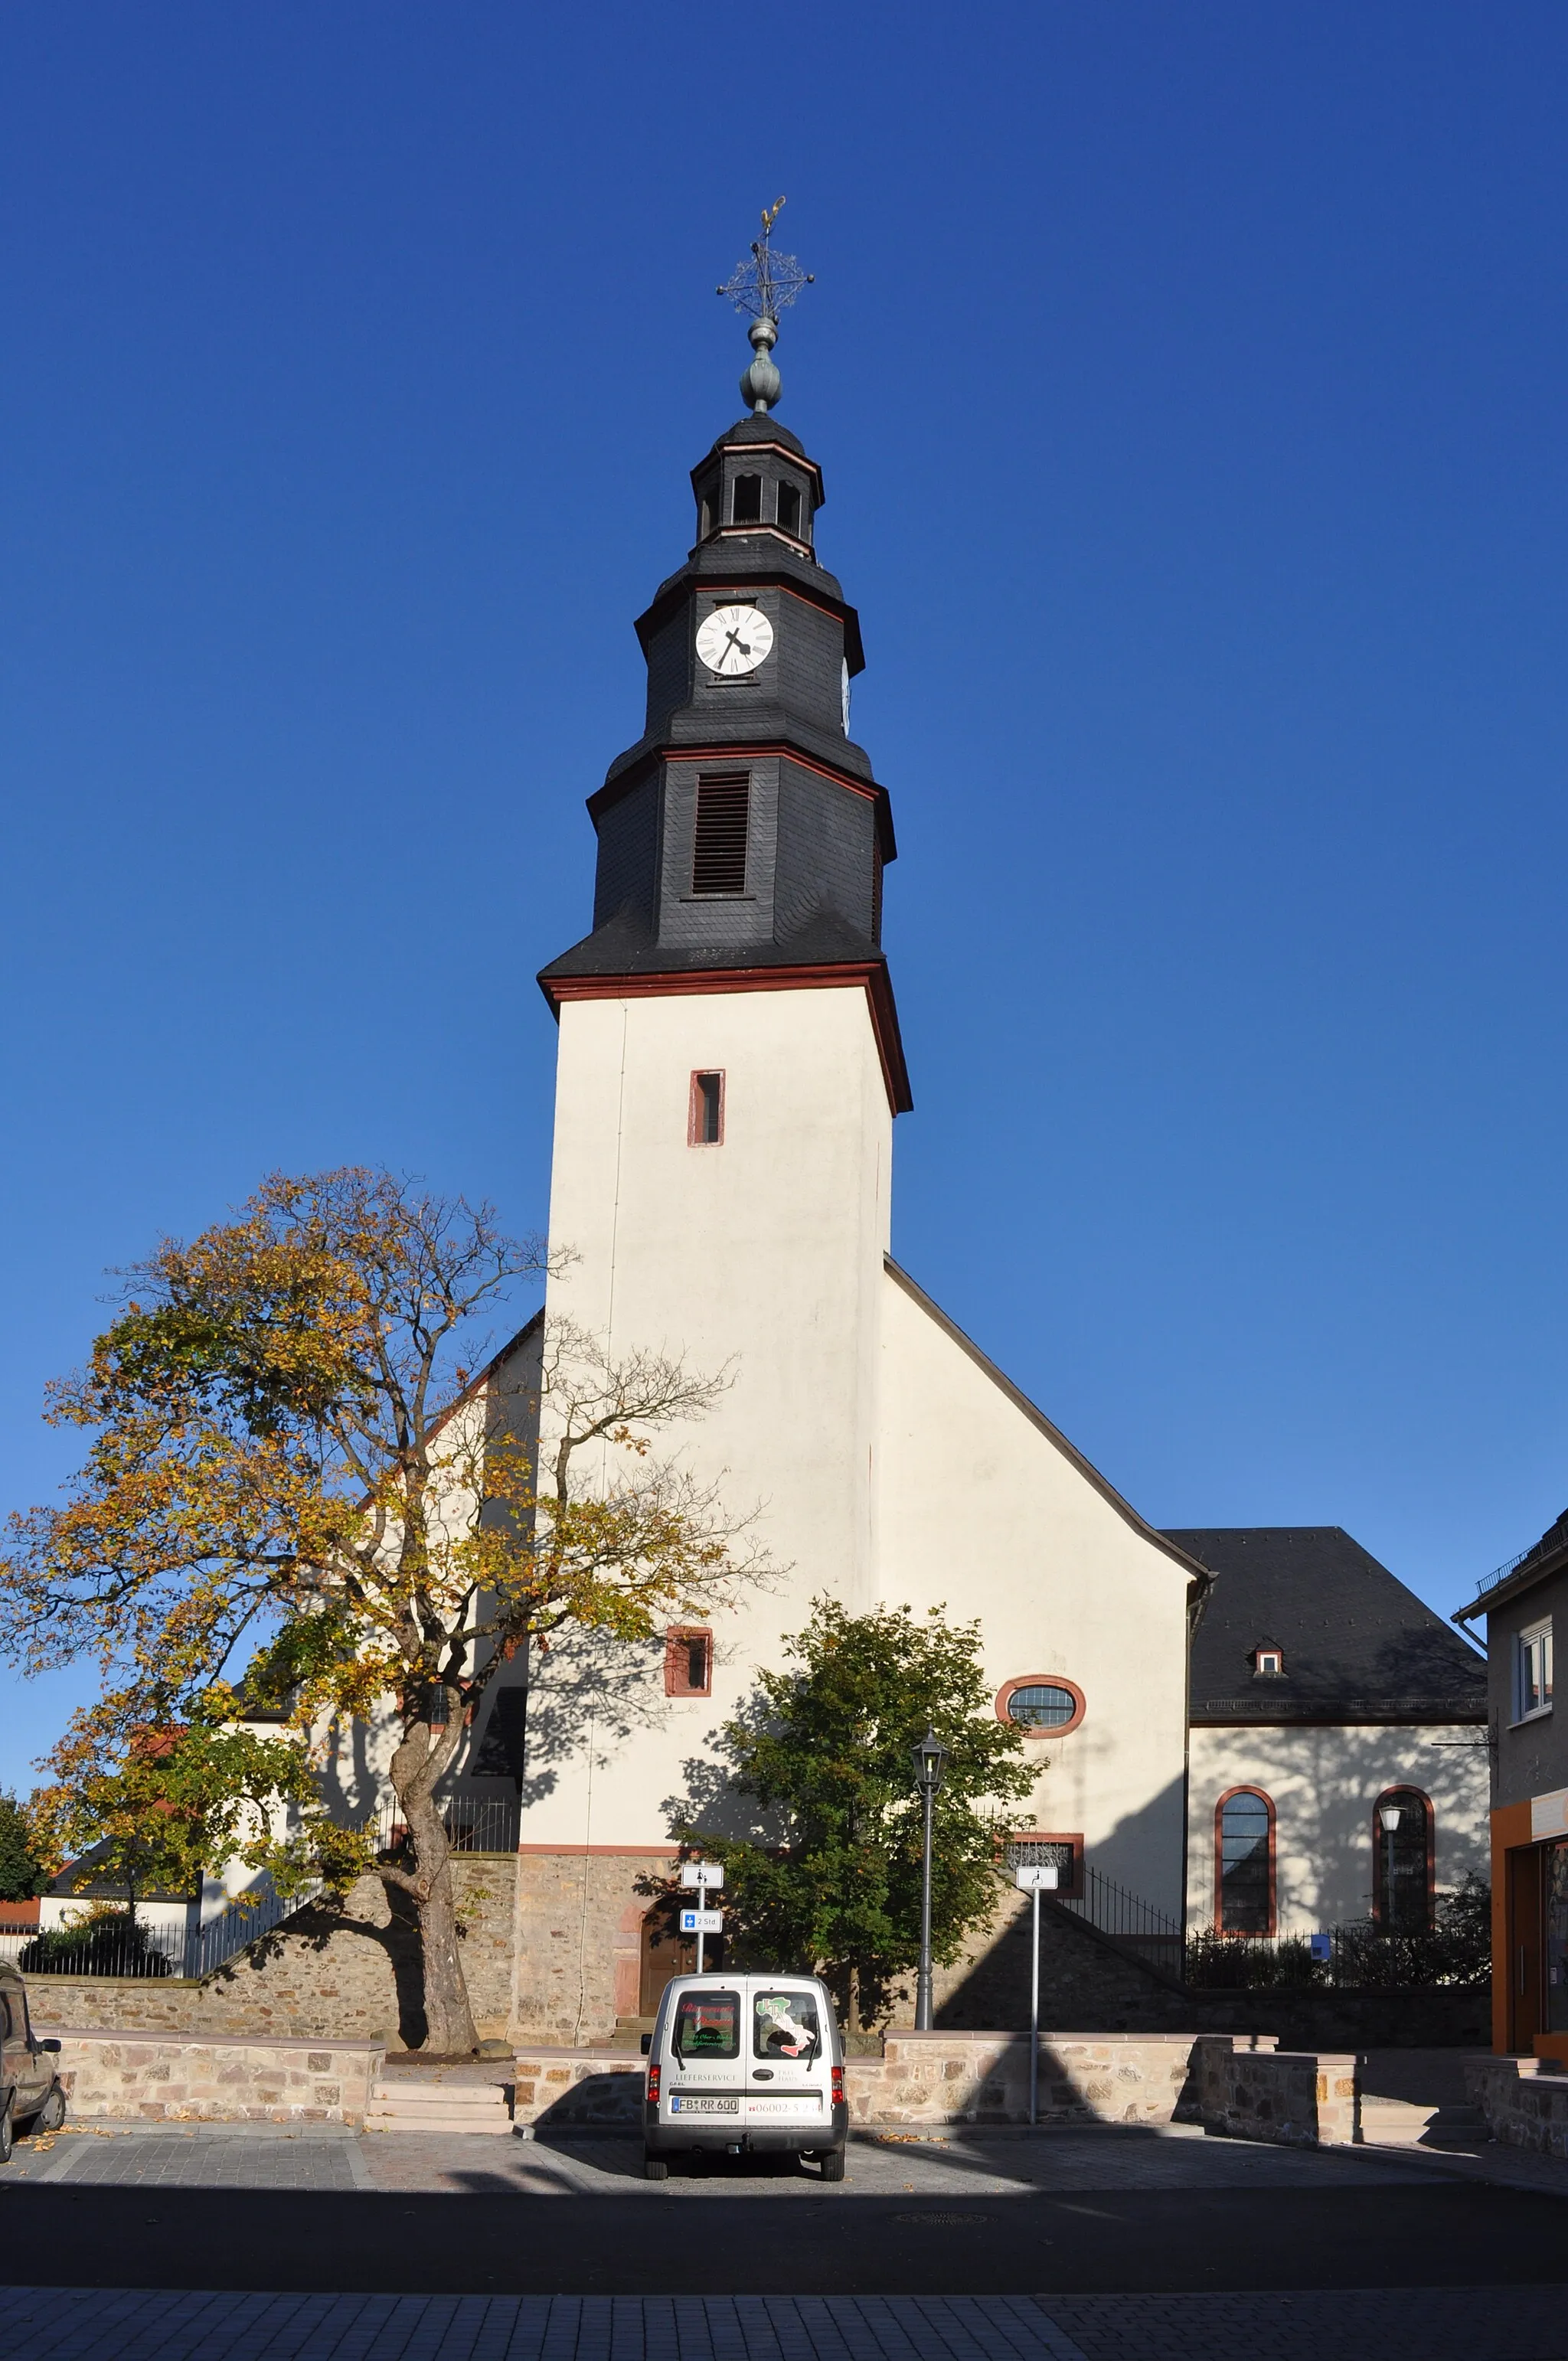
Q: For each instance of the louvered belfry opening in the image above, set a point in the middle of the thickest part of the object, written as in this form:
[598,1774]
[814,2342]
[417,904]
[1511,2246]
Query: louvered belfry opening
[719,850]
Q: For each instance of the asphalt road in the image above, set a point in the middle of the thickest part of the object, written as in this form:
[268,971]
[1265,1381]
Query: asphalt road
[1444,2234]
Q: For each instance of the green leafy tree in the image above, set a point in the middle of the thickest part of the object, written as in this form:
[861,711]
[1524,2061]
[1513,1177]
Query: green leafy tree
[825,1752]
[21,1873]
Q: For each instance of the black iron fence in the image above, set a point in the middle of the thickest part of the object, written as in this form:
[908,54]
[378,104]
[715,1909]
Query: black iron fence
[473,1824]
[118,1942]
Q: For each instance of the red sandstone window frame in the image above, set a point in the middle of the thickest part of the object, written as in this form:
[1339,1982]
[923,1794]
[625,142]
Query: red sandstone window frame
[679,1641]
[1004,1695]
[1235,1933]
[1071,1887]
[1402,1792]
[697,1107]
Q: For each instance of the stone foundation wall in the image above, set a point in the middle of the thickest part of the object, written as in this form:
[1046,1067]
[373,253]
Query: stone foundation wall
[1523,2100]
[984,2078]
[577,1943]
[142,2078]
[1284,2097]
[321,1975]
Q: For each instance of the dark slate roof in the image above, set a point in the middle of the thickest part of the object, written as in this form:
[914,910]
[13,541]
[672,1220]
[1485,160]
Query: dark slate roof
[624,945]
[1358,1646]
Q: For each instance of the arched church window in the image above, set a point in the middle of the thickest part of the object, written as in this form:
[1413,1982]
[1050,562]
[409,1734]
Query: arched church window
[1043,1705]
[789,509]
[1244,1835]
[1402,1861]
[747,507]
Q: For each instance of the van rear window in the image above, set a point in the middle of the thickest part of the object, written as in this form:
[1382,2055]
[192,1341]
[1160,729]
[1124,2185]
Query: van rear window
[707,2025]
[783,2025]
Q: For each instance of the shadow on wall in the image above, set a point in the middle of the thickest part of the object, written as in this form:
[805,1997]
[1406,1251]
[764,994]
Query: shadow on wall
[1324,1802]
[314,1931]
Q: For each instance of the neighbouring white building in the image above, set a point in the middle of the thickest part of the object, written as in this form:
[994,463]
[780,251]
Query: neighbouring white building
[1327,1700]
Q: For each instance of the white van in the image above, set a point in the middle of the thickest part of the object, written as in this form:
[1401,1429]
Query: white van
[740,2064]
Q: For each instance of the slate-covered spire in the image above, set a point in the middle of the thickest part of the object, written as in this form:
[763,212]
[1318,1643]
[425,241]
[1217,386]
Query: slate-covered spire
[744,833]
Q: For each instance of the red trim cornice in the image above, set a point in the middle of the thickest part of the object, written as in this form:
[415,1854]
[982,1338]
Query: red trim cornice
[870,974]
[743,751]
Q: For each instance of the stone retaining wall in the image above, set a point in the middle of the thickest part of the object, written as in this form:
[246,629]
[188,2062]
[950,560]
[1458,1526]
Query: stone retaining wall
[1290,2097]
[143,2078]
[1524,2101]
[984,2078]
[322,1975]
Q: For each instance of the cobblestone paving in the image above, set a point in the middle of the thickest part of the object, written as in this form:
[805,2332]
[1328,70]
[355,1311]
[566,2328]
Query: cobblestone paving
[1453,2325]
[958,2169]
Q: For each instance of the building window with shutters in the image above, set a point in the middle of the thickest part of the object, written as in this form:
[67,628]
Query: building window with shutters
[704,1114]
[721,836]
[1244,1845]
[688,1663]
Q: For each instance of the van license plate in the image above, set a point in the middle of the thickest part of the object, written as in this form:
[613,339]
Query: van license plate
[683,2104]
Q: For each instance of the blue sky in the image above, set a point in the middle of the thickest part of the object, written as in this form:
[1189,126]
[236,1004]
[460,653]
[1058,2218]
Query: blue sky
[1190,384]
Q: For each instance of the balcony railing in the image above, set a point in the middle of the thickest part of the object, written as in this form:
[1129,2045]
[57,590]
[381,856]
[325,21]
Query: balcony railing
[473,1824]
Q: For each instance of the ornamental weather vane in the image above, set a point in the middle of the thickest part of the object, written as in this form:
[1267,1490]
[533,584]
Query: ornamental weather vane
[764,286]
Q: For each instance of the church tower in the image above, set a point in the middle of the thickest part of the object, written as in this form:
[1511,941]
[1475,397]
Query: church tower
[728,1071]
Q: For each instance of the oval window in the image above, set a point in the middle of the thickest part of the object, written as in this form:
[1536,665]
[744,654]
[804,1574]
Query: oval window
[1042,1705]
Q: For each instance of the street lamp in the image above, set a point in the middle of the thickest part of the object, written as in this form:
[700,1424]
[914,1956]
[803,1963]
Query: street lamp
[1389,1815]
[929,1757]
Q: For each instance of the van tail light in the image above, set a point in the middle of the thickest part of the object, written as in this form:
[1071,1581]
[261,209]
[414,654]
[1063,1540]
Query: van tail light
[653,2072]
[838,2086]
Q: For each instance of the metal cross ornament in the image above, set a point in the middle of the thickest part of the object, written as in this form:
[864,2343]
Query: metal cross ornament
[769,282]
[763,288]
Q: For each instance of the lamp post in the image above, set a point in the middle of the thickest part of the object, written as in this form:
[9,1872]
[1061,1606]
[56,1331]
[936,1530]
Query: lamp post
[1389,1815]
[929,1757]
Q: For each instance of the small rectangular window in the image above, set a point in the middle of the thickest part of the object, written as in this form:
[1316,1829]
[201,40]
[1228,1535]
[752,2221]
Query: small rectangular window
[704,1116]
[688,1664]
[748,503]
[789,509]
[720,838]
[1532,1672]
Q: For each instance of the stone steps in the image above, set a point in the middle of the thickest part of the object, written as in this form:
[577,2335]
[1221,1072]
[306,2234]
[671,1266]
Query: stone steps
[405,2105]
[1404,2123]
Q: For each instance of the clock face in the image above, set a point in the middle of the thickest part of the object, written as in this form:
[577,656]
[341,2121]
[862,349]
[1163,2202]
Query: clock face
[844,692]
[733,639]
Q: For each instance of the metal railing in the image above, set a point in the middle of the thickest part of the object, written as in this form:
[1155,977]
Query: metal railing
[115,1945]
[1130,1921]
[473,1824]
[1555,1535]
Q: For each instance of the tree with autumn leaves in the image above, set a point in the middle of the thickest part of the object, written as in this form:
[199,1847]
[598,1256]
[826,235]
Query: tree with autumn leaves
[298,1494]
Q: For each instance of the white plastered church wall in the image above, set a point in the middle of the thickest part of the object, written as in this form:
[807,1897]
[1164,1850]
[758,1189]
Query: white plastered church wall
[761,1257]
[981,1510]
[1323,1781]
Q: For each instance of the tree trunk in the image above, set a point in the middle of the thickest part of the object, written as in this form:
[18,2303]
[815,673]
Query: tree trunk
[448,2019]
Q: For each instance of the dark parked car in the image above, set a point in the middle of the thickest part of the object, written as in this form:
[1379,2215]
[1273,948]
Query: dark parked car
[30,2096]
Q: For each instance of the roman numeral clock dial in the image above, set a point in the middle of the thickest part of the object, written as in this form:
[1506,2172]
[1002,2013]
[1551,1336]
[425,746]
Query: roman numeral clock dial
[734,639]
